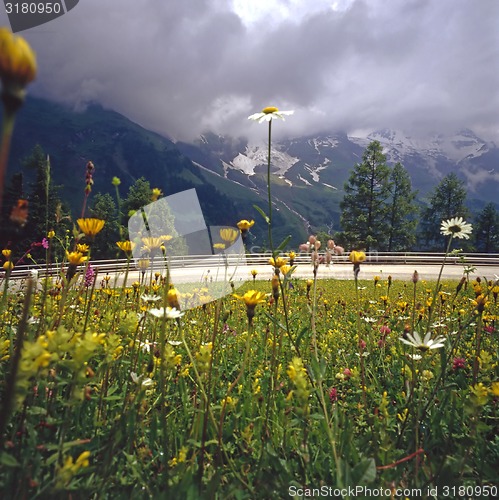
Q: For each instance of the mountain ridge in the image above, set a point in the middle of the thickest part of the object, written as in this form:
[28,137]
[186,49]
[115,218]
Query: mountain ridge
[230,173]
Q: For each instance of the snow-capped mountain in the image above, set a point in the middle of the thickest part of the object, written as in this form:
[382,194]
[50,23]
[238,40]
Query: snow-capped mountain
[322,164]
[472,158]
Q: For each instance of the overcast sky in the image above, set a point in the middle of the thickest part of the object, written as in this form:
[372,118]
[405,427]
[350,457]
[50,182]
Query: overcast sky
[181,67]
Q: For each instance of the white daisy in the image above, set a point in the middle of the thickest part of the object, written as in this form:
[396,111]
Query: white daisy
[268,113]
[146,346]
[423,344]
[169,312]
[174,342]
[150,298]
[456,227]
[414,357]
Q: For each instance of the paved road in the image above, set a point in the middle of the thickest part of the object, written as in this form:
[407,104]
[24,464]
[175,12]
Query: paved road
[217,277]
[334,271]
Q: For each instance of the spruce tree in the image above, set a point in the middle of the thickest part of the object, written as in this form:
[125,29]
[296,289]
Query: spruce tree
[402,211]
[486,230]
[364,206]
[447,200]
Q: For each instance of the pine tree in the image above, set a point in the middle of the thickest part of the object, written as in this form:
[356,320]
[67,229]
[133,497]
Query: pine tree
[364,206]
[486,230]
[160,218]
[447,201]
[402,211]
[139,195]
[43,208]
[10,231]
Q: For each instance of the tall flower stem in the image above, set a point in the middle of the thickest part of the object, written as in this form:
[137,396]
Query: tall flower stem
[269,194]
[10,384]
[437,285]
[236,380]
[476,363]
[7,129]
[359,343]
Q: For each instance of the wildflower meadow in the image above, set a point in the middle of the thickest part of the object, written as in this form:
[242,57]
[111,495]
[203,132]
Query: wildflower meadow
[287,387]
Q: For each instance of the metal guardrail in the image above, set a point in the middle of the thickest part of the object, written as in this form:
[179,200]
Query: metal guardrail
[120,265]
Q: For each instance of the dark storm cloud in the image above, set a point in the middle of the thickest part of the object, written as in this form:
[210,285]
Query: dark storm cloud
[182,67]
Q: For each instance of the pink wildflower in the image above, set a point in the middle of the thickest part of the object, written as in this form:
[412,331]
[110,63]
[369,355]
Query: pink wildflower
[89,276]
[384,330]
[338,250]
[333,395]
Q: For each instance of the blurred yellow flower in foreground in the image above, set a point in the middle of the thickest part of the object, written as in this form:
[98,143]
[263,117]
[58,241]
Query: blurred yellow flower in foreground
[8,265]
[17,60]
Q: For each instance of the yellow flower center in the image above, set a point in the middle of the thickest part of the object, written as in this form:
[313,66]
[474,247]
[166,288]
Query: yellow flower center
[269,109]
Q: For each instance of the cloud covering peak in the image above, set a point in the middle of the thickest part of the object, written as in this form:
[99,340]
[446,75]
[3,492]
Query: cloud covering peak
[184,67]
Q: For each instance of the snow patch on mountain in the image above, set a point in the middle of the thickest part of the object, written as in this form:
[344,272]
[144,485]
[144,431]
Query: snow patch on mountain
[314,170]
[244,163]
[257,154]
[323,142]
[396,145]
[304,180]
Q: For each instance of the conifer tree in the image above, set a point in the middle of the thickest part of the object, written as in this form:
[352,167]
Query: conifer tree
[402,211]
[447,200]
[486,230]
[364,206]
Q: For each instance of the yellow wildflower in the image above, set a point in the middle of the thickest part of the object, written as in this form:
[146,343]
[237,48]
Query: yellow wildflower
[245,225]
[75,258]
[357,256]
[278,262]
[251,298]
[8,265]
[479,394]
[82,248]
[155,194]
[17,60]
[228,234]
[126,246]
[90,226]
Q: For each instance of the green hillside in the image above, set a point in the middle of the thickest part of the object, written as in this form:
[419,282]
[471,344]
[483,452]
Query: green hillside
[119,147]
